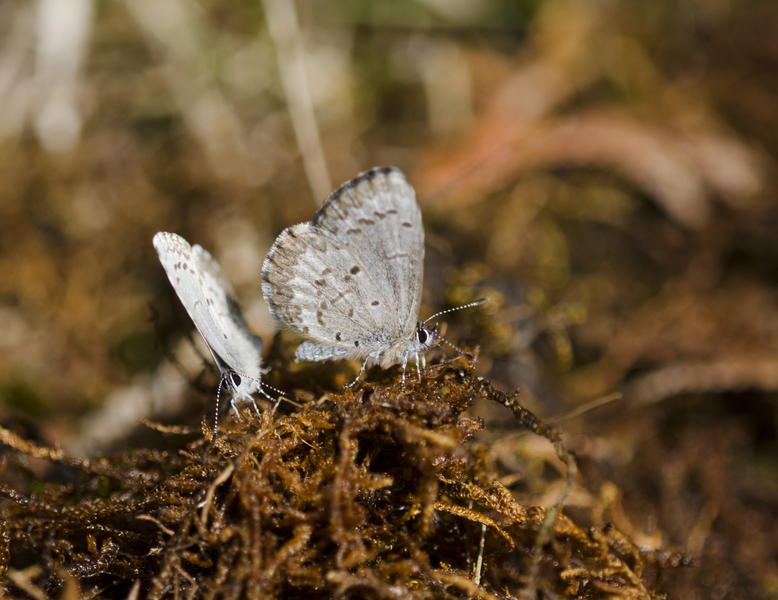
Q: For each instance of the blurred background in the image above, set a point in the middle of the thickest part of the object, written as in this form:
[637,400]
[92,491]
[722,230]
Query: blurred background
[603,171]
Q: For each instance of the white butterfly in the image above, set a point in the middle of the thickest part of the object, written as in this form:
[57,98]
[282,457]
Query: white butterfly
[350,281]
[209,299]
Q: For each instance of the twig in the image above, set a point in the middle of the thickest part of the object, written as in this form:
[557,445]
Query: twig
[285,30]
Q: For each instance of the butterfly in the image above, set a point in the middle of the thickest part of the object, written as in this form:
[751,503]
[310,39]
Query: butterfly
[350,281]
[208,297]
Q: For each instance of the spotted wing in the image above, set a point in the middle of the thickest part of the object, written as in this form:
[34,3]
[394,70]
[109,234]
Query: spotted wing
[376,216]
[318,286]
[235,344]
[210,301]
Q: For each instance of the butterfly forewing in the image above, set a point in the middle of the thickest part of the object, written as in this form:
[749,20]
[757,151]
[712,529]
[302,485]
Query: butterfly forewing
[177,259]
[234,343]
[376,214]
[350,281]
[210,301]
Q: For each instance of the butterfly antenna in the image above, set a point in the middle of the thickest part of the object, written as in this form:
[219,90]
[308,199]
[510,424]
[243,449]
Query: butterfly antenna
[457,348]
[216,416]
[443,312]
[281,395]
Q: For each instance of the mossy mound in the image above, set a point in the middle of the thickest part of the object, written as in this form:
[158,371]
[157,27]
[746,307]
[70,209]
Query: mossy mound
[374,492]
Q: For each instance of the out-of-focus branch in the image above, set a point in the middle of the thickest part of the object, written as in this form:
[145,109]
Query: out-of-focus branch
[15,83]
[285,30]
[721,375]
[172,25]
[63,28]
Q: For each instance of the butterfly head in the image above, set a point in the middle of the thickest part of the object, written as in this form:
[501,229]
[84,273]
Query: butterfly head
[234,380]
[242,386]
[424,336]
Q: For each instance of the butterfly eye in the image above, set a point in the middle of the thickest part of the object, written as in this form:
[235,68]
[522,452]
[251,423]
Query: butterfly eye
[422,336]
[235,379]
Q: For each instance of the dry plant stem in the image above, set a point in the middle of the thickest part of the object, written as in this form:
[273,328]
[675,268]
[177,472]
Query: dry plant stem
[551,433]
[589,406]
[169,429]
[471,588]
[24,580]
[467,513]
[480,562]
[55,455]
[285,31]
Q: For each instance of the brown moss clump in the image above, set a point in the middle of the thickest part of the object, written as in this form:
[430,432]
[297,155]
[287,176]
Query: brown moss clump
[374,492]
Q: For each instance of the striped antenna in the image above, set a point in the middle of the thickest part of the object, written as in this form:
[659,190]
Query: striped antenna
[443,312]
[462,352]
[216,416]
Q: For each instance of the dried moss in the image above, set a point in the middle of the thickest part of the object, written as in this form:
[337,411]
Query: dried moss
[374,492]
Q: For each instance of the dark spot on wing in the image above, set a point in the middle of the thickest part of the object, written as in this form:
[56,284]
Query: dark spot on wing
[319,282]
[391,212]
[353,231]
[375,303]
[380,215]
[337,336]
[367,221]
[347,278]
[323,305]
[350,312]
[319,317]
[305,329]
[406,224]
[354,270]
[326,271]
[356,344]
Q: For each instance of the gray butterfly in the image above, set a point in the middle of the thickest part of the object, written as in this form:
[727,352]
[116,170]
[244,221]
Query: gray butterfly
[209,299]
[350,281]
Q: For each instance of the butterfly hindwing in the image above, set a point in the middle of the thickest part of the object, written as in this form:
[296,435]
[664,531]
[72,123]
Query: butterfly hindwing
[316,286]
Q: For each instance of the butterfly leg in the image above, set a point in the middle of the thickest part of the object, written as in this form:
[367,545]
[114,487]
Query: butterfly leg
[416,358]
[405,363]
[245,395]
[235,409]
[361,370]
[275,401]
[275,406]
[268,396]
